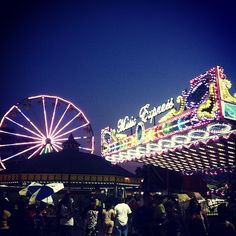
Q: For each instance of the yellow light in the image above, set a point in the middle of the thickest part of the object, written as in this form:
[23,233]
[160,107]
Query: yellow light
[195,154]
[219,144]
[211,151]
[220,149]
[231,142]
[230,152]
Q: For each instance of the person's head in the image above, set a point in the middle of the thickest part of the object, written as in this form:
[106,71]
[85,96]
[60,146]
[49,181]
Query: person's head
[108,205]
[147,199]
[170,207]
[194,206]
[120,200]
[158,199]
[93,204]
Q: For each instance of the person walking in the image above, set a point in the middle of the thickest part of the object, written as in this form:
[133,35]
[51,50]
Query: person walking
[197,221]
[143,219]
[108,219]
[66,218]
[122,211]
[91,221]
[5,214]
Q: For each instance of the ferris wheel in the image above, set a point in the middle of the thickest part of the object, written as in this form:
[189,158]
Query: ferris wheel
[41,124]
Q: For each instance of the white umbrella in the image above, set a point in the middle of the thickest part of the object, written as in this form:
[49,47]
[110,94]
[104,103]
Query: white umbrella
[48,200]
[30,189]
[45,193]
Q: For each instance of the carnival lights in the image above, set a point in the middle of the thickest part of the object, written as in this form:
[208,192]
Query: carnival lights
[40,124]
[218,128]
[200,134]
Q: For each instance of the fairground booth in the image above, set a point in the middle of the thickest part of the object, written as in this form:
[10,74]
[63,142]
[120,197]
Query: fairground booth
[193,133]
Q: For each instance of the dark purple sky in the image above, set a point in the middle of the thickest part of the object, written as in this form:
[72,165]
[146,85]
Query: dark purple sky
[111,57]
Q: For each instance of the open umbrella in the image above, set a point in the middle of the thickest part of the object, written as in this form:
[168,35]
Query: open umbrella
[45,192]
[30,189]
[48,200]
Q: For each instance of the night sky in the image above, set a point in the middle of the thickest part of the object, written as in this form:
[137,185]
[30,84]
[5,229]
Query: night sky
[112,57]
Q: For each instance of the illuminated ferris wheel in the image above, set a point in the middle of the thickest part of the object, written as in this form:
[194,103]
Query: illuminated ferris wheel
[41,124]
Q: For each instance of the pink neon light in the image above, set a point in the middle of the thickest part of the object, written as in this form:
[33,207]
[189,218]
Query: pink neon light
[19,153]
[45,116]
[55,141]
[55,134]
[66,124]
[30,121]
[23,127]
[54,147]
[60,120]
[53,116]
[56,97]
[72,130]
[19,144]
[2,165]
[92,144]
[218,92]
[7,114]
[75,137]
[54,144]
[35,152]
[87,149]
[20,135]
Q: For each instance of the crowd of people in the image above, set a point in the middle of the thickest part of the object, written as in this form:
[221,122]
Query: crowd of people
[137,215]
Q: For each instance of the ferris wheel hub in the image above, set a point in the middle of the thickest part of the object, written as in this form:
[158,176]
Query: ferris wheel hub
[48,141]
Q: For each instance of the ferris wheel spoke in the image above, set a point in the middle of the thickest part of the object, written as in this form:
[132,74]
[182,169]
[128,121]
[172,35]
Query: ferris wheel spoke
[30,121]
[45,116]
[20,135]
[87,121]
[87,149]
[60,119]
[53,116]
[75,137]
[10,110]
[22,126]
[56,146]
[69,122]
[60,139]
[58,143]
[19,144]
[35,152]
[2,166]
[57,118]
[22,152]
[72,130]
[84,137]
[92,144]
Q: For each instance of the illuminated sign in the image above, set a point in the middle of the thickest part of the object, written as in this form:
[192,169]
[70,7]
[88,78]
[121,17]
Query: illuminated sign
[126,123]
[204,113]
[145,114]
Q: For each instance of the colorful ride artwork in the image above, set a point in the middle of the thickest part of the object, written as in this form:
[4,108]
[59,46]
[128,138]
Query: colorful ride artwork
[199,135]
